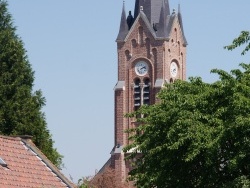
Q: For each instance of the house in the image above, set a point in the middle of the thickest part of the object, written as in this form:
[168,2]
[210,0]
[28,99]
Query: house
[22,164]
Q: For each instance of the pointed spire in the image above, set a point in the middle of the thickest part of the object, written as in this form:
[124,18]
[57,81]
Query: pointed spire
[152,9]
[123,25]
[181,24]
[162,27]
[167,7]
[138,4]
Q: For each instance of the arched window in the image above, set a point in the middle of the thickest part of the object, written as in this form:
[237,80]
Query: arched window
[134,43]
[128,55]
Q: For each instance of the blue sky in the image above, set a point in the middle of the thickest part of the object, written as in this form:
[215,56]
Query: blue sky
[71,46]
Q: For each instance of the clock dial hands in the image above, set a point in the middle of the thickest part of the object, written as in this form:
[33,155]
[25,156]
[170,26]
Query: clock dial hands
[141,68]
[173,69]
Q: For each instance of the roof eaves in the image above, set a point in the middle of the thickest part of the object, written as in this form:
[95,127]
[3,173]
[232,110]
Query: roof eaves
[121,37]
[52,167]
[120,85]
[159,83]
[117,149]
[107,164]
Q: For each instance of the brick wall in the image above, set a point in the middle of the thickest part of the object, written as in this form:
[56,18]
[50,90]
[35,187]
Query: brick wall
[158,54]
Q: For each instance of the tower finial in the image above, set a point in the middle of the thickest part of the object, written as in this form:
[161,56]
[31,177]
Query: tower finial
[123,24]
[167,8]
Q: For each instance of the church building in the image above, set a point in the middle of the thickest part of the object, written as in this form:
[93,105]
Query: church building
[151,48]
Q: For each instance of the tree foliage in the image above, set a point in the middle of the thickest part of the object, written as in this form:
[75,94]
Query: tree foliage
[198,135]
[20,107]
[243,39]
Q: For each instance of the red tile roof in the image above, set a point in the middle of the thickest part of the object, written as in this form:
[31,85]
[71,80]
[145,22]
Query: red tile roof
[27,166]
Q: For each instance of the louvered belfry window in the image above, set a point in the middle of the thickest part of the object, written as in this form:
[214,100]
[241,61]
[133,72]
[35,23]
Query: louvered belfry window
[146,92]
[141,93]
[137,93]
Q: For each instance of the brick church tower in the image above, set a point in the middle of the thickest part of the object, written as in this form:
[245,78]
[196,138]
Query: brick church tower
[151,49]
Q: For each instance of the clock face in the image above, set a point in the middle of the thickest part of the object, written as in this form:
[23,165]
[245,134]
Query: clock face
[173,69]
[141,68]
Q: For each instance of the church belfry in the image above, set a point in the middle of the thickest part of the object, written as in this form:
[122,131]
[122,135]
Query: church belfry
[151,48]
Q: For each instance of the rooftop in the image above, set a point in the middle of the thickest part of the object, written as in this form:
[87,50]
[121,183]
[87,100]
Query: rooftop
[24,165]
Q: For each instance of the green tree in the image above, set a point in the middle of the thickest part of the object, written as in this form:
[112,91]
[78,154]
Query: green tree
[198,135]
[242,39]
[20,108]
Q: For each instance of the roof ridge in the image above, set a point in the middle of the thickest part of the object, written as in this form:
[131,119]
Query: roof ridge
[17,138]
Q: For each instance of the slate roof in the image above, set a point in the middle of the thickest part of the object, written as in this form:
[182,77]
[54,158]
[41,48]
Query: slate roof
[123,31]
[152,9]
[27,167]
[156,15]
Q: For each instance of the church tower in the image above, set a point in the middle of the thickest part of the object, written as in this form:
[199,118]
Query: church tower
[151,48]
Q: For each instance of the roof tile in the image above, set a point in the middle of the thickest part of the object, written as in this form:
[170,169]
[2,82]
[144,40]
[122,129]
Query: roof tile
[24,167]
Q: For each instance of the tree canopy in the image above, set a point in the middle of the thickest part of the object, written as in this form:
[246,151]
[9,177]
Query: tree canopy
[242,39]
[20,107]
[198,135]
